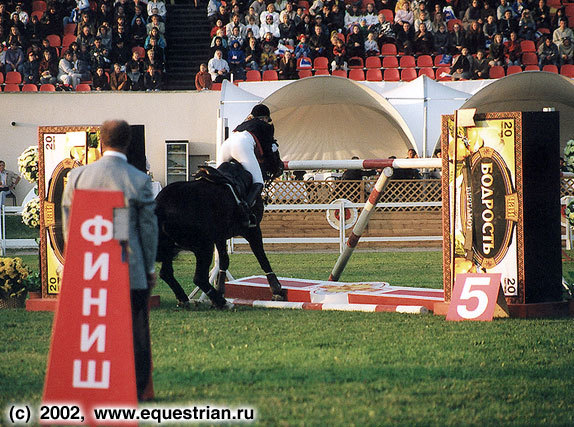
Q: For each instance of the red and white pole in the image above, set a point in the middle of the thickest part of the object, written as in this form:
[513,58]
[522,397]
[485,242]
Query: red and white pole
[432,163]
[361,224]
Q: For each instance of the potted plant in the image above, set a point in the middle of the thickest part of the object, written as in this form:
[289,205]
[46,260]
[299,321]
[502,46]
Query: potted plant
[13,283]
[34,285]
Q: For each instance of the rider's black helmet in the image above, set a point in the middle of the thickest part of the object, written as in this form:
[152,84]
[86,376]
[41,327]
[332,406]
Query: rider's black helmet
[260,110]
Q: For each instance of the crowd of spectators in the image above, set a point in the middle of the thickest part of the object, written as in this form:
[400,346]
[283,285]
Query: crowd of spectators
[108,44]
[471,35]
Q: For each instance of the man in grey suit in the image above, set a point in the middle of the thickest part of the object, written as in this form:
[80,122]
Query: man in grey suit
[113,172]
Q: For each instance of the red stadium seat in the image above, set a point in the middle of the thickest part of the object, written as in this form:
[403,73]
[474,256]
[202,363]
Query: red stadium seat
[39,5]
[70,29]
[450,24]
[374,75]
[438,60]
[13,77]
[339,73]
[408,74]
[253,76]
[82,87]
[270,75]
[29,87]
[140,50]
[68,40]
[388,49]
[1,78]
[304,4]
[513,69]
[424,61]
[305,73]
[356,62]
[496,72]
[550,68]
[357,75]
[216,86]
[443,73]
[391,75]
[390,62]
[322,72]
[529,58]
[389,15]
[373,62]
[532,68]
[407,61]
[39,14]
[55,40]
[321,63]
[567,70]
[527,46]
[427,71]
[12,87]
[47,87]
[304,63]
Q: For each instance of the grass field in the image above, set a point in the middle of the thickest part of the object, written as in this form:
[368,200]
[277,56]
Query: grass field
[333,368]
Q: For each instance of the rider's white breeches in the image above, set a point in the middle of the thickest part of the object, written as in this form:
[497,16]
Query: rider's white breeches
[240,146]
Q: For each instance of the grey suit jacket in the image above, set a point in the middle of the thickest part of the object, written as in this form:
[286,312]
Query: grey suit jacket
[114,173]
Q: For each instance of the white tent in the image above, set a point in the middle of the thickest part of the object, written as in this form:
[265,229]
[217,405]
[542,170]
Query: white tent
[421,102]
[326,118]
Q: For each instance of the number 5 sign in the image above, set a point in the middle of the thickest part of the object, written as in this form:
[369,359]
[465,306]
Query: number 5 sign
[475,297]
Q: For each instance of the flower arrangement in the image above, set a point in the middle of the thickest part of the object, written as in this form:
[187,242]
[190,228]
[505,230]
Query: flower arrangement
[28,164]
[31,213]
[13,278]
[569,155]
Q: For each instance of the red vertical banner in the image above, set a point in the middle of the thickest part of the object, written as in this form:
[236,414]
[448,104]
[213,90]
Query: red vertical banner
[91,360]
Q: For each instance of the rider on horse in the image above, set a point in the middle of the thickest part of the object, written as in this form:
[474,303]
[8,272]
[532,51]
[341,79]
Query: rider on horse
[251,144]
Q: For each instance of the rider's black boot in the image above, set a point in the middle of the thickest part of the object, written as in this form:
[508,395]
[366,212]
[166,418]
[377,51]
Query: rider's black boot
[247,218]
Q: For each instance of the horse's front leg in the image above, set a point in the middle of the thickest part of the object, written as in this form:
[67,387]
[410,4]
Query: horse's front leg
[255,239]
[223,258]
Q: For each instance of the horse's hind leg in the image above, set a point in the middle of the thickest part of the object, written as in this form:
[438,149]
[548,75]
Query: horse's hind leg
[223,256]
[166,273]
[255,240]
[203,258]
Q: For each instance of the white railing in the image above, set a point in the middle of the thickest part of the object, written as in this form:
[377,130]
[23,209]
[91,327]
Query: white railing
[12,243]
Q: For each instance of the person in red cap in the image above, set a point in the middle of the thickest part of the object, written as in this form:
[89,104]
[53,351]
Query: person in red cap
[249,143]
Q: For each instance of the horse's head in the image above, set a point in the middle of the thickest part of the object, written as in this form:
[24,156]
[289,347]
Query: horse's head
[272,166]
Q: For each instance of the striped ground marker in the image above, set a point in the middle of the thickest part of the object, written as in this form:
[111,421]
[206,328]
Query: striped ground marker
[369,308]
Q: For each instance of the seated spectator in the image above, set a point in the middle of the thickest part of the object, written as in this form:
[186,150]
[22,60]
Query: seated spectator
[52,20]
[355,43]
[480,67]
[119,79]
[269,26]
[527,26]
[507,25]
[235,36]
[212,10]
[218,67]
[441,40]
[138,32]
[67,73]
[497,51]
[23,16]
[85,38]
[159,5]
[270,11]
[352,16]
[541,15]
[487,11]
[222,14]
[404,15]
[151,59]
[235,22]
[384,31]
[155,22]
[462,67]
[423,40]
[475,38]
[48,68]
[155,33]
[104,15]
[405,39]
[253,27]
[318,43]
[268,59]
[30,70]
[457,38]
[86,21]
[489,29]
[15,22]
[302,49]
[100,80]
[99,55]
[566,52]
[13,58]
[81,60]
[218,26]
[8,182]
[514,50]
[287,31]
[306,26]
[548,53]
[339,56]
[334,19]
[152,79]
[134,70]
[502,8]
[371,45]
[287,67]
[471,14]
[218,43]
[159,52]
[236,61]
[252,54]
[560,14]
[203,78]
[562,32]
[16,36]
[121,53]
[438,18]
[423,18]
[35,30]
[252,13]
[140,11]
[105,35]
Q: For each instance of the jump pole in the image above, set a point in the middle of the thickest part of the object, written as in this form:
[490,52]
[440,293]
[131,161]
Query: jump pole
[387,165]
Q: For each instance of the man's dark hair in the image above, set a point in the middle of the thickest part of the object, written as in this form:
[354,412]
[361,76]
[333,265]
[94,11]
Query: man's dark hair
[115,134]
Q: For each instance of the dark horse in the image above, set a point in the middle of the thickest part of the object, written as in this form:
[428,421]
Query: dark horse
[199,214]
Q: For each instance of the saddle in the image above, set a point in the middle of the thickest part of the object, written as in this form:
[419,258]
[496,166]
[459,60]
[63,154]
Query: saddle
[231,174]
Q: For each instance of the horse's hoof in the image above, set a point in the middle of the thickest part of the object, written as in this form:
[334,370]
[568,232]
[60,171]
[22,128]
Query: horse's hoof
[184,305]
[227,306]
[280,296]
